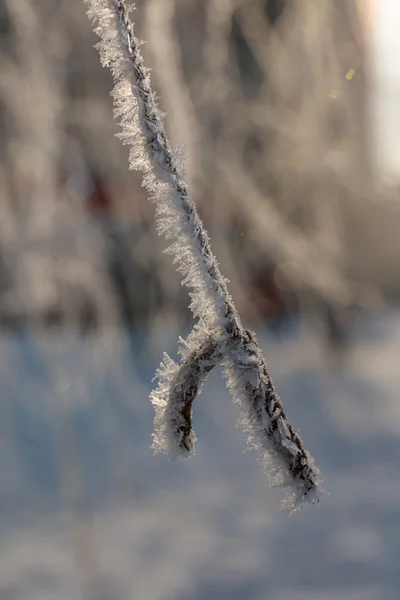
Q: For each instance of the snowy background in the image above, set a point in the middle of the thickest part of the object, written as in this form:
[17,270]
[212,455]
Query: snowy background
[88,512]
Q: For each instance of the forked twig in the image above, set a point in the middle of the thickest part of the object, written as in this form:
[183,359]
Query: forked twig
[243,364]
[179,385]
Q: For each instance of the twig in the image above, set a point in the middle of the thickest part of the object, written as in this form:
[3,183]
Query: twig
[179,385]
[244,367]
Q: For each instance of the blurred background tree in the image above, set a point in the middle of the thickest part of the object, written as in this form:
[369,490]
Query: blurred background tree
[271,99]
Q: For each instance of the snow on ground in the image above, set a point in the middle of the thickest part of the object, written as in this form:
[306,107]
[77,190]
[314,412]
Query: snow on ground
[209,527]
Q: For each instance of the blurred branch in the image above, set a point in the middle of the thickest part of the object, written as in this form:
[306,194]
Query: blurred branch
[36,109]
[286,244]
[166,53]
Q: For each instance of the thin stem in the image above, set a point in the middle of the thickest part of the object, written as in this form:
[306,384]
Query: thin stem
[244,366]
[160,149]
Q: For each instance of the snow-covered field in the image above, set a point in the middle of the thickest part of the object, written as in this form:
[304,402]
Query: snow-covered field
[85,503]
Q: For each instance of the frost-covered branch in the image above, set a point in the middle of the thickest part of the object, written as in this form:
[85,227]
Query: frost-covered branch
[262,415]
[179,385]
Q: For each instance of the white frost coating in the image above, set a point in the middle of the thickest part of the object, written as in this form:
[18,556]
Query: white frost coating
[165,439]
[218,335]
[164,175]
[179,385]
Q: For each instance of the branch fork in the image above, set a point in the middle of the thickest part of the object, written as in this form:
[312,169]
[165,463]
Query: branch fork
[218,335]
